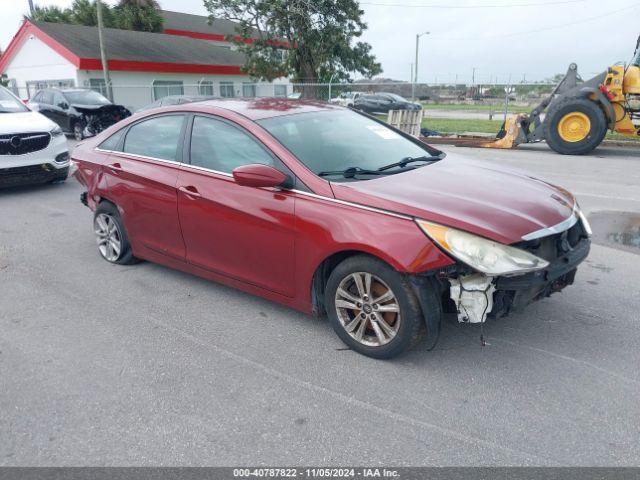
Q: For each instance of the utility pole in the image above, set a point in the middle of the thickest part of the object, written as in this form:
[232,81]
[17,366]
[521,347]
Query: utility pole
[31,7]
[103,55]
[415,70]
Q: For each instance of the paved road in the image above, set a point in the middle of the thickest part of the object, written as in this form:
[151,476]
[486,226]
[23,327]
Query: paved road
[142,365]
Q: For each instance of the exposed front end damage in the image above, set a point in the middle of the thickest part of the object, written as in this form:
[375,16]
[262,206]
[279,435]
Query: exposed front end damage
[98,118]
[474,296]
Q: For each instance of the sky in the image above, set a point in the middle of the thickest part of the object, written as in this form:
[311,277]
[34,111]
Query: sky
[504,41]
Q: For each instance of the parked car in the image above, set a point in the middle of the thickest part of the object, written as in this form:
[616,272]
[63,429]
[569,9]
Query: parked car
[327,210]
[383,102]
[32,147]
[82,113]
[346,99]
[175,100]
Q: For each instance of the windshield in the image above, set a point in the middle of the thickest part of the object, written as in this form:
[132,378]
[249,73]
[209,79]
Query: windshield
[338,140]
[86,97]
[9,103]
[636,61]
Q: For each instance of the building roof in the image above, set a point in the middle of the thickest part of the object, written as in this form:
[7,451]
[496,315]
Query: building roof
[129,50]
[198,26]
[187,22]
[139,46]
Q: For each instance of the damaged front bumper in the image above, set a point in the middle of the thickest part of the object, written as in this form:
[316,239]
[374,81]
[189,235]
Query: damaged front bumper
[477,296]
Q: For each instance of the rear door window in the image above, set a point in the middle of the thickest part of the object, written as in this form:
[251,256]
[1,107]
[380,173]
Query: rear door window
[157,137]
[113,142]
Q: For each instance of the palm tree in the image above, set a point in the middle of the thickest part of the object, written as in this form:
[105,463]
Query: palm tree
[141,15]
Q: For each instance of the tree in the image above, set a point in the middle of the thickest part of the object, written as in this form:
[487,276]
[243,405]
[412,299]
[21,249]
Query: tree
[320,35]
[142,15]
[51,14]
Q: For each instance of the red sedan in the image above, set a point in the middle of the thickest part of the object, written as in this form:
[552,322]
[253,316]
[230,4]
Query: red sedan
[329,211]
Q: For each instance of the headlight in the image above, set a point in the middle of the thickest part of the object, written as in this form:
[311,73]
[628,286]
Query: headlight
[486,256]
[56,132]
[585,222]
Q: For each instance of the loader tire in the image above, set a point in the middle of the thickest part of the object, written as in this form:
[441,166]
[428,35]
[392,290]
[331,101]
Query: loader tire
[574,126]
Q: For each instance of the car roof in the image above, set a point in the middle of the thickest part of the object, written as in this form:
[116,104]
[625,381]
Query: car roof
[267,107]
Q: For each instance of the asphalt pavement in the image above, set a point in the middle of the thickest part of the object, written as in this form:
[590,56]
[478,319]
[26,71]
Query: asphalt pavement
[143,365]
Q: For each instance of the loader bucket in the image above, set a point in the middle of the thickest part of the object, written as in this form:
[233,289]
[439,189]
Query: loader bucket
[510,135]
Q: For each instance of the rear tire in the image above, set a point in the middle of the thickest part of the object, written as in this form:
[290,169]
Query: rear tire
[574,126]
[386,318]
[111,236]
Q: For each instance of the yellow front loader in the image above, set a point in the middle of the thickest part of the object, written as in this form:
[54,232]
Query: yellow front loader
[578,114]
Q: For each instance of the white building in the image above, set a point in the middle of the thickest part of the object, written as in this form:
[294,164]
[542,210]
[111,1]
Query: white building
[191,57]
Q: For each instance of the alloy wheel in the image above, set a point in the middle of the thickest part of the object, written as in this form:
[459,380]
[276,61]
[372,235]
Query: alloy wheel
[368,309]
[108,237]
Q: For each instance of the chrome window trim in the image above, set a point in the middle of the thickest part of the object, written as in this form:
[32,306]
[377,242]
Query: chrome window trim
[299,192]
[135,155]
[557,228]
[351,204]
[209,170]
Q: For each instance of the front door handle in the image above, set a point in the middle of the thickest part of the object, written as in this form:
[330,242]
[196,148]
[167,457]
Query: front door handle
[191,191]
[116,167]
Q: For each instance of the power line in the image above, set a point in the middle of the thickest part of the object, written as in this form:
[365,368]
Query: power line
[544,29]
[462,7]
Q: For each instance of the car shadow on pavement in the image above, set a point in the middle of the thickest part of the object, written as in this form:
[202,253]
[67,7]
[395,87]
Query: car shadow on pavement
[30,189]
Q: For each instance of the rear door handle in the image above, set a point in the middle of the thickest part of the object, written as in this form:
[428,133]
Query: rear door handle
[116,167]
[190,191]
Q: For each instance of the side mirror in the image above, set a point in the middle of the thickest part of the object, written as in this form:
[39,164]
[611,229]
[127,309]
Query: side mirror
[256,175]
[63,105]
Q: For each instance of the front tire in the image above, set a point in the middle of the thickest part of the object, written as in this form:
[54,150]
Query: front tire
[575,126]
[111,236]
[372,308]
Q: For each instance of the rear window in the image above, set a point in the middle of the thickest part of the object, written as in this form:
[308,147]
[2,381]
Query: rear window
[157,137]
[113,142]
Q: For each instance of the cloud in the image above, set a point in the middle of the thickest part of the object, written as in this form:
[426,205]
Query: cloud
[462,39]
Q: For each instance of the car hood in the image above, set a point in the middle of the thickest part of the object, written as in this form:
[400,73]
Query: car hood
[94,108]
[481,198]
[24,122]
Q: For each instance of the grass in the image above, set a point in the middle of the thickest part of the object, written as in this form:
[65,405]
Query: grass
[498,106]
[460,126]
[454,125]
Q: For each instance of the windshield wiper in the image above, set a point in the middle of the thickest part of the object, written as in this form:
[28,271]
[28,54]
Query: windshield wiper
[351,172]
[407,160]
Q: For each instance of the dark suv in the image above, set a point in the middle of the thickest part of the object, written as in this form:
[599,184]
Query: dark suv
[80,112]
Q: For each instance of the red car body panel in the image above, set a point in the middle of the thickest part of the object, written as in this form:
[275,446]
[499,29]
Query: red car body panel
[271,242]
[470,195]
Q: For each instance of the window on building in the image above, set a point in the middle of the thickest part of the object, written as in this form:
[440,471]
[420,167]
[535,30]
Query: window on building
[248,90]
[280,90]
[157,137]
[205,87]
[226,89]
[164,88]
[98,85]
[35,85]
[219,146]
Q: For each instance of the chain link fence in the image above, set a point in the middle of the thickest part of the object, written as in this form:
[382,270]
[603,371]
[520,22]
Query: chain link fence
[448,107]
